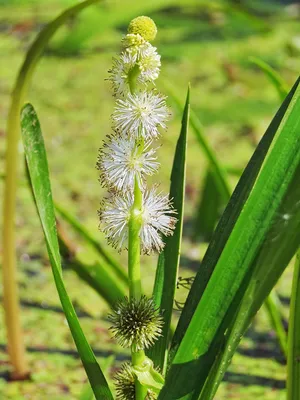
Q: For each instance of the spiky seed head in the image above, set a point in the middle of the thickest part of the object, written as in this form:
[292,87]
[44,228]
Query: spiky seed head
[125,384]
[136,323]
[143,26]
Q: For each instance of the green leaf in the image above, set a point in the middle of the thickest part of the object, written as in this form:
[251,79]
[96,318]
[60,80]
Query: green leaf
[39,175]
[209,209]
[274,309]
[87,392]
[279,246]
[279,84]
[168,263]
[293,375]
[228,220]
[239,244]
[148,376]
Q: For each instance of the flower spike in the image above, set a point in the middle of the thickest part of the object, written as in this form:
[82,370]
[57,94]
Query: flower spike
[134,217]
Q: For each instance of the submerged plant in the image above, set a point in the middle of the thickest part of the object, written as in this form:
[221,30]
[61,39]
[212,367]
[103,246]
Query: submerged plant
[135,217]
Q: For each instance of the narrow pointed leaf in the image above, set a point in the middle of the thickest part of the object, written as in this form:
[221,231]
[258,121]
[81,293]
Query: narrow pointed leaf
[209,209]
[168,263]
[38,169]
[279,246]
[245,236]
[274,77]
[228,220]
[274,309]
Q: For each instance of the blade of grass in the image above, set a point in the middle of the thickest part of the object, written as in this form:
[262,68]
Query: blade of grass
[87,392]
[10,288]
[208,210]
[167,268]
[241,248]
[273,307]
[275,78]
[39,175]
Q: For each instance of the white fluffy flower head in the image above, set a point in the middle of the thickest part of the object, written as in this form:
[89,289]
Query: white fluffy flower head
[119,73]
[149,64]
[137,52]
[157,216]
[120,161]
[141,114]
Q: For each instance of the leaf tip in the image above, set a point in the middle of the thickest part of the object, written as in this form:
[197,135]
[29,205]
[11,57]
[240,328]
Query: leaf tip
[27,109]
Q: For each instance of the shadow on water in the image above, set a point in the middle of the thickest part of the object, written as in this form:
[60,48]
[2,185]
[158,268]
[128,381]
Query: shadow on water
[47,307]
[250,380]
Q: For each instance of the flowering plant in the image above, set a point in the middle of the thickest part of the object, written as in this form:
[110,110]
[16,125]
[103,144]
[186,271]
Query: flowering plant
[242,263]
[135,217]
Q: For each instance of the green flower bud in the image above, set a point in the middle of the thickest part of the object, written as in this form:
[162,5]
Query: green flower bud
[125,384]
[143,26]
[136,323]
[131,40]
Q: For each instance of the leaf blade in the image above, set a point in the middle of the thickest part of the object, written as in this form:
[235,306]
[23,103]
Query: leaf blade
[228,220]
[168,263]
[239,251]
[38,169]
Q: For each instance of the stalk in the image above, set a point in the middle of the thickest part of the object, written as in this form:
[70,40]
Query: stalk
[293,365]
[15,343]
[134,252]
[134,273]
[134,245]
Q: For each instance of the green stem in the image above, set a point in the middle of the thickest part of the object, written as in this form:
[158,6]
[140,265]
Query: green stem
[134,272]
[138,357]
[134,247]
[134,244]
[293,365]
[132,78]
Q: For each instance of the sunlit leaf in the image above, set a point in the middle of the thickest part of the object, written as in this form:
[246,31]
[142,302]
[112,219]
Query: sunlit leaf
[39,175]
[168,263]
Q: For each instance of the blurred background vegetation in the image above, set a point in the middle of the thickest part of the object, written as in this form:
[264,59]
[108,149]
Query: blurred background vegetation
[206,43]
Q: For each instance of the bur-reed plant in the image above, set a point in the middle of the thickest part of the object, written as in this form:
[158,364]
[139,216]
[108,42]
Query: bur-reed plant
[250,248]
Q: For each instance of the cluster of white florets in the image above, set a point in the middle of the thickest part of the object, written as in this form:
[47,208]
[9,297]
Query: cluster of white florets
[127,155]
